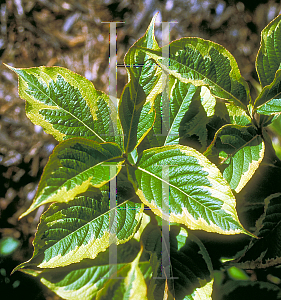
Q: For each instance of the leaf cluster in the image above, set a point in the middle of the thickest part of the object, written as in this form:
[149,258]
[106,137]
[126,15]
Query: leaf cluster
[130,186]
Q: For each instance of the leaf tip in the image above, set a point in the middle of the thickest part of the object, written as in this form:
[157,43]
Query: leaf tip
[9,67]
[250,234]
[16,269]
[25,213]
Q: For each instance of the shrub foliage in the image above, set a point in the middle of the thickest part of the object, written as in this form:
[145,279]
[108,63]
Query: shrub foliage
[125,181]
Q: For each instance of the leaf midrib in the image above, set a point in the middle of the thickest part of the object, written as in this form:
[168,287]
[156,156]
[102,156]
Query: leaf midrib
[213,212]
[174,120]
[217,135]
[267,102]
[38,88]
[85,171]
[215,84]
[87,223]
[245,145]
[133,115]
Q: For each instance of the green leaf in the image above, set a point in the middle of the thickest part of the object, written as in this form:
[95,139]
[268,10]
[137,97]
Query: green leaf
[155,138]
[132,287]
[136,117]
[74,166]
[266,251]
[136,110]
[203,292]
[242,150]
[269,55]
[257,289]
[268,67]
[67,105]
[70,232]
[269,100]
[205,63]
[200,197]
[194,123]
[237,116]
[189,267]
[190,110]
[86,280]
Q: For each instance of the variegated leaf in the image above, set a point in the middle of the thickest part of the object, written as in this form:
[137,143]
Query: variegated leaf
[190,265]
[199,197]
[88,279]
[269,100]
[67,105]
[74,166]
[190,109]
[70,232]
[132,287]
[266,251]
[269,55]
[205,63]
[268,67]
[242,150]
[136,108]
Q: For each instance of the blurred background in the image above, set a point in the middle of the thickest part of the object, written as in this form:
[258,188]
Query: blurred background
[70,33]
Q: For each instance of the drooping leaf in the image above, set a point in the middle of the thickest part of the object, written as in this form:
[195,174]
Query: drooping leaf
[266,251]
[200,197]
[74,166]
[205,63]
[155,137]
[67,105]
[269,100]
[269,55]
[136,110]
[189,270]
[203,292]
[70,232]
[136,116]
[84,281]
[190,109]
[233,290]
[237,115]
[193,124]
[242,149]
[268,68]
[132,287]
